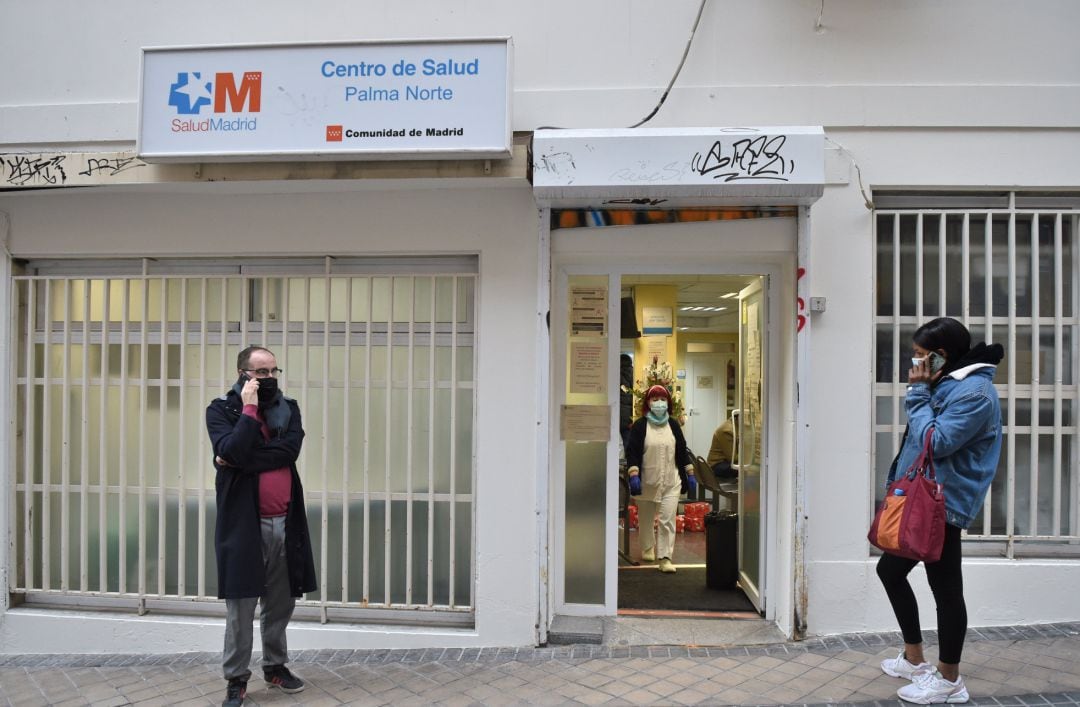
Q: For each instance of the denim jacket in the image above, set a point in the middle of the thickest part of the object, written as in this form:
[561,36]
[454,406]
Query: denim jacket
[965,414]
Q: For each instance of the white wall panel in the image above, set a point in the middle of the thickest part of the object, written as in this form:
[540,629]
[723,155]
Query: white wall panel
[872,62]
[839,464]
[497,224]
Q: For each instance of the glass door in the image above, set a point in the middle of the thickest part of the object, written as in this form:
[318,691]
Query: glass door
[751,440]
[585,444]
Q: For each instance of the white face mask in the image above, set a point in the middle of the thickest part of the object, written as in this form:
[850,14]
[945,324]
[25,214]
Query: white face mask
[658,407]
[936,361]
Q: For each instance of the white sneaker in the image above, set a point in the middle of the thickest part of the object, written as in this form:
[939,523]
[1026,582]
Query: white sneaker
[648,555]
[931,688]
[900,667]
[666,566]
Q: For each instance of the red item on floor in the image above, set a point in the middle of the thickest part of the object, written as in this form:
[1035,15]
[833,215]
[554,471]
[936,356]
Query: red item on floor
[680,524]
[632,512]
[695,525]
[698,509]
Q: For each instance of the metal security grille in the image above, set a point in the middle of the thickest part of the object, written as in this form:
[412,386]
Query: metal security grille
[1006,265]
[113,480]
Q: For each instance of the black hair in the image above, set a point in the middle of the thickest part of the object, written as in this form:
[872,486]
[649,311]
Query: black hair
[944,333]
[243,359]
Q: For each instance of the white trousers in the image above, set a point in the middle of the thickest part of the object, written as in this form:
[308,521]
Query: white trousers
[665,529]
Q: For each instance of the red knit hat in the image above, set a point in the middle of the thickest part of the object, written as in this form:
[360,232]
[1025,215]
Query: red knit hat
[657,391]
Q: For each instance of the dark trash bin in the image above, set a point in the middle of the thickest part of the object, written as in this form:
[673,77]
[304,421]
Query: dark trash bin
[721,549]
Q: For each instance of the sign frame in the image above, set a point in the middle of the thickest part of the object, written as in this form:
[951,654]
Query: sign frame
[495,134]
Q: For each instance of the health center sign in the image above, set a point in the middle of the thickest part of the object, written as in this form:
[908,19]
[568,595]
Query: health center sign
[374,100]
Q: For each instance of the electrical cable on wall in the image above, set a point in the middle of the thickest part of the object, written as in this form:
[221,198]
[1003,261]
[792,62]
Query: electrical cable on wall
[858,172]
[678,70]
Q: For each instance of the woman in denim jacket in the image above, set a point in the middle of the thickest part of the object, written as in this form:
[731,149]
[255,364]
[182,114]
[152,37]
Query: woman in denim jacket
[950,391]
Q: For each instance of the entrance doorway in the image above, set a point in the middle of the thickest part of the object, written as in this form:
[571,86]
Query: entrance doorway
[708,306]
[698,353]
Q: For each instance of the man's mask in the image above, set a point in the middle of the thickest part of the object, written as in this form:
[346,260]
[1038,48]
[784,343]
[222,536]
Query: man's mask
[268,390]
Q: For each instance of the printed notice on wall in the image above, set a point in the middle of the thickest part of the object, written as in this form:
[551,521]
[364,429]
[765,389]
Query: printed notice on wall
[656,348]
[588,367]
[585,423]
[588,311]
[658,320]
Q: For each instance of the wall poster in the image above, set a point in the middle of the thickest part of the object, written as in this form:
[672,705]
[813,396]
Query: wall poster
[588,311]
[588,367]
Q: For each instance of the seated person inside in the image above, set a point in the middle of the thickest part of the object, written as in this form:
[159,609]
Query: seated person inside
[722,450]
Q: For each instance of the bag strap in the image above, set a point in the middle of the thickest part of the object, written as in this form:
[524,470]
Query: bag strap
[924,463]
[896,459]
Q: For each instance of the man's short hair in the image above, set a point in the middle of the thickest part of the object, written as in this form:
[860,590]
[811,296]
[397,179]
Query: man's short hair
[243,359]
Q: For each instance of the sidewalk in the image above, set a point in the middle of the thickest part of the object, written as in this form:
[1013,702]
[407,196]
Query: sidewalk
[1025,665]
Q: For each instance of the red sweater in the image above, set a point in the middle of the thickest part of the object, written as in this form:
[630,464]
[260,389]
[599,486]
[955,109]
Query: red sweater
[275,486]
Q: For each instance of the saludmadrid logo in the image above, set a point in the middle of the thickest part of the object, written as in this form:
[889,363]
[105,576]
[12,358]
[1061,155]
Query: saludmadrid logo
[194,90]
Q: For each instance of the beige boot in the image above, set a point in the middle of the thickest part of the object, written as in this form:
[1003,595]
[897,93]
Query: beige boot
[648,555]
[666,566]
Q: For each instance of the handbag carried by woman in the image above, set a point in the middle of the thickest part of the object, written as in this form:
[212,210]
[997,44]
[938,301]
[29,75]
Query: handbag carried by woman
[911,520]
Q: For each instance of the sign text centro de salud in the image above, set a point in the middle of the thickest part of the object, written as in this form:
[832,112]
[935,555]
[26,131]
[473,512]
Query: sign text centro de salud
[380,100]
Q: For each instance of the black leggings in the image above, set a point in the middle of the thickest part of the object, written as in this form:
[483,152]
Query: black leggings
[946,581]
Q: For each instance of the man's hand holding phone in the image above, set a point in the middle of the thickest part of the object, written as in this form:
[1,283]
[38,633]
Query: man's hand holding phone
[250,392]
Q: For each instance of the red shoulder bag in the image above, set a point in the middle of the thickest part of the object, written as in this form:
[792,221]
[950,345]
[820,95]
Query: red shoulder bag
[911,520]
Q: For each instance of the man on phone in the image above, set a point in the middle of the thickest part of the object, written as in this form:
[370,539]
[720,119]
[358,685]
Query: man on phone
[261,538]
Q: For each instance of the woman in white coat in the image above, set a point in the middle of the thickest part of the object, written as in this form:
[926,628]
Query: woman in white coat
[660,471]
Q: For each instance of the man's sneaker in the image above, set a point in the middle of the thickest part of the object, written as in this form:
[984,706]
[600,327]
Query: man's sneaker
[666,566]
[900,667]
[932,689]
[235,693]
[280,677]
[648,555]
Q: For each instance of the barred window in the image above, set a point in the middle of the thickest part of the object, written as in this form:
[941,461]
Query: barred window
[1006,265]
[113,481]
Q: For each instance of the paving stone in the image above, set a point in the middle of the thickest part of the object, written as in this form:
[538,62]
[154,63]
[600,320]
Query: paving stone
[1037,665]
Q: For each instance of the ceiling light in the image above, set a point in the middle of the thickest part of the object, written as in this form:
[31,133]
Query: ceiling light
[729,295]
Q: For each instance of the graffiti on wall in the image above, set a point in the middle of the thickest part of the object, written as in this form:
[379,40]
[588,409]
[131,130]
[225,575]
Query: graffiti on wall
[31,171]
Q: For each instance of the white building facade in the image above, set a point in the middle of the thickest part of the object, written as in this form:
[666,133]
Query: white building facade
[422,308]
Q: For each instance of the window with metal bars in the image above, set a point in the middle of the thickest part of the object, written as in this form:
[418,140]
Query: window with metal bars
[1006,265]
[113,480]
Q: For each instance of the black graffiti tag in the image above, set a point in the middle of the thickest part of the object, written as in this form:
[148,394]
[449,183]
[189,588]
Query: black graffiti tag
[25,170]
[750,158]
[110,166]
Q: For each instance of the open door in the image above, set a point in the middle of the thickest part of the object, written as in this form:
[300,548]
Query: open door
[751,440]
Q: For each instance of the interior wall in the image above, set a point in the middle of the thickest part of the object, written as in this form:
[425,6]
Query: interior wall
[660,296]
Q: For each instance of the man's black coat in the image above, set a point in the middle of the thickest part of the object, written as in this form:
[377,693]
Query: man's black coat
[238,439]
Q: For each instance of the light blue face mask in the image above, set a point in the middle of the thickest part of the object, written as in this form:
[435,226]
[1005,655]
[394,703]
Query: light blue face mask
[658,407]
